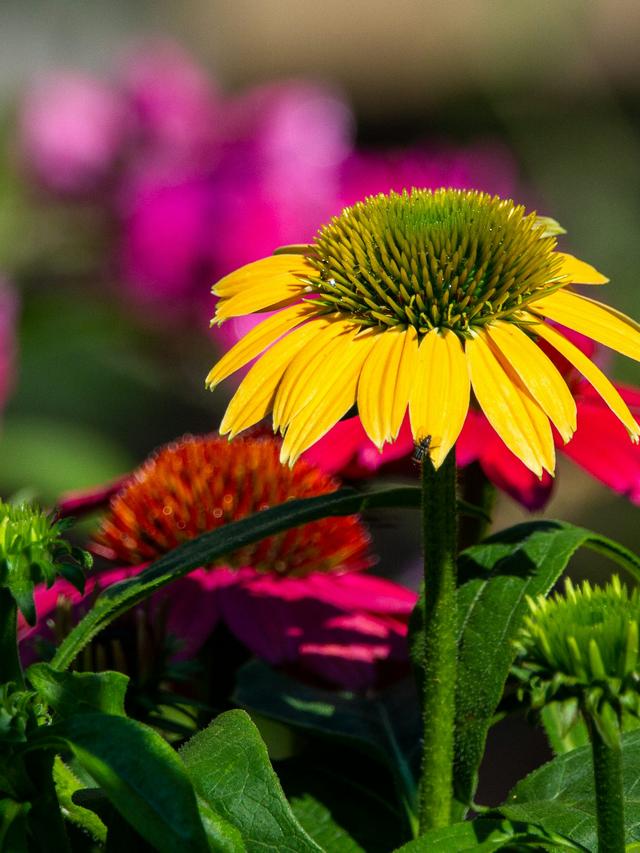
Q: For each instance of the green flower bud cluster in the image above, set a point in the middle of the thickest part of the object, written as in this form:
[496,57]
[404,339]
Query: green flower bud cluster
[18,710]
[32,551]
[583,646]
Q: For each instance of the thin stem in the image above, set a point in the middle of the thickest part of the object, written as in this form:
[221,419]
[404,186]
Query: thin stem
[10,669]
[440,529]
[607,770]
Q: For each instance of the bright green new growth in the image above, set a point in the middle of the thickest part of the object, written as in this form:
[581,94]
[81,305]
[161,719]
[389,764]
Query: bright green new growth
[584,645]
[32,551]
[449,258]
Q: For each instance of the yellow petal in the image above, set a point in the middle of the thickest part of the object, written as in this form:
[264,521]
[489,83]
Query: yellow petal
[385,380]
[258,339]
[580,272]
[439,399]
[297,387]
[254,398]
[591,373]
[275,270]
[508,407]
[334,393]
[256,299]
[538,374]
[593,319]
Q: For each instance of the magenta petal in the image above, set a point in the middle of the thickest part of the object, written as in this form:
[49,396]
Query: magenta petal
[85,501]
[355,651]
[507,472]
[347,450]
[313,625]
[602,447]
[46,601]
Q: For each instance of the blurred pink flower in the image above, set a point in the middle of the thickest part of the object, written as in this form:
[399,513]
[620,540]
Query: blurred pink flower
[175,107]
[600,445]
[73,128]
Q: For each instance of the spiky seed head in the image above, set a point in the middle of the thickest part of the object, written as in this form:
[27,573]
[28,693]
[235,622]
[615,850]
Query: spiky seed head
[449,259]
[33,550]
[583,645]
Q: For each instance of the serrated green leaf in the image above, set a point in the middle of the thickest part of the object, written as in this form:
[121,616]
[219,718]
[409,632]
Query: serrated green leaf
[207,547]
[67,784]
[495,577]
[561,797]
[139,772]
[230,770]
[71,693]
[387,726]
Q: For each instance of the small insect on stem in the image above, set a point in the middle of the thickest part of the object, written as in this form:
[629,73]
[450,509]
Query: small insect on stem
[421,449]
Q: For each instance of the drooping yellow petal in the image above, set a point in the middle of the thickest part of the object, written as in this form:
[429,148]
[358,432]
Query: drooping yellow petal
[580,272]
[275,270]
[538,374]
[256,299]
[593,319]
[591,373]
[439,399]
[385,380]
[297,387]
[254,398]
[334,393]
[510,410]
[258,339]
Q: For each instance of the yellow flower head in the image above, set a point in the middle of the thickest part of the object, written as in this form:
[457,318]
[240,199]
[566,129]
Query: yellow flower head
[413,300]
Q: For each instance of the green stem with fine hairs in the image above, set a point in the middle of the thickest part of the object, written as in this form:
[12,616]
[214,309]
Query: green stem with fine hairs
[439,649]
[607,771]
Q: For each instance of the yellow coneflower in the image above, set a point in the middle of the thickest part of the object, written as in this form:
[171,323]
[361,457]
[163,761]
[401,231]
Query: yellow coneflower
[415,300]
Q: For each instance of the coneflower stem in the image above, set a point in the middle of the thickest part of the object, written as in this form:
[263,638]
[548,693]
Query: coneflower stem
[607,771]
[439,658]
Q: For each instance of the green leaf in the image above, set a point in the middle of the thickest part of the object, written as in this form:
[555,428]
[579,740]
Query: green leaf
[210,546]
[561,797]
[139,772]
[318,821]
[222,836]
[485,835]
[67,784]
[564,726]
[495,578]
[387,726]
[351,788]
[230,770]
[70,693]
[13,826]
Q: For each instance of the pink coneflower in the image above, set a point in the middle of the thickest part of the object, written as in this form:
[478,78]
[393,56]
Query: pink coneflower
[299,599]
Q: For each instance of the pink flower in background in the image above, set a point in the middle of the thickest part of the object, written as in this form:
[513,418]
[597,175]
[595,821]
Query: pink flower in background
[175,106]
[299,600]
[73,129]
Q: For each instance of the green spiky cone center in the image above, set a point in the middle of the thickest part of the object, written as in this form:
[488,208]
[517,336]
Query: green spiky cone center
[445,259]
[584,645]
